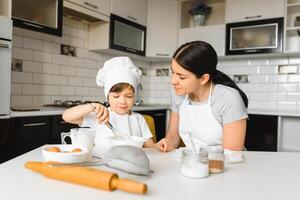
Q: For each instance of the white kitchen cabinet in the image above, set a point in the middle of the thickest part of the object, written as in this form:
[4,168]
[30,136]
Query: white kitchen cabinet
[162,28]
[245,10]
[5,8]
[91,10]
[215,35]
[289,134]
[292,42]
[133,10]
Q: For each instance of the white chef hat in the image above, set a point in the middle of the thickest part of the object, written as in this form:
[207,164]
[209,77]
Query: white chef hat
[118,70]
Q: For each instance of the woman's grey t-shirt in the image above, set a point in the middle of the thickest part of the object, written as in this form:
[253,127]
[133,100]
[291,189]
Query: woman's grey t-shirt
[227,104]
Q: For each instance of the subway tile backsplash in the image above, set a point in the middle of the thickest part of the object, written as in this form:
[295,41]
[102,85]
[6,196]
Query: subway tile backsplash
[47,75]
[266,89]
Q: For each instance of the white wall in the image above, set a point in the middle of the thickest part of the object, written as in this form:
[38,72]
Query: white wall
[267,90]
[49,76]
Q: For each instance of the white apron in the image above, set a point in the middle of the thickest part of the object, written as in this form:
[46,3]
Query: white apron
[127,124]
[200,122]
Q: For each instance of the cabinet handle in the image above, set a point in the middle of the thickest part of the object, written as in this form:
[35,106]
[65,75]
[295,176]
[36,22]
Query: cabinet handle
[35,124]
[130,17]
[253,17]
[4,46]
[162,54]
[131,50]
[159,114]
[90,5]
[33,25]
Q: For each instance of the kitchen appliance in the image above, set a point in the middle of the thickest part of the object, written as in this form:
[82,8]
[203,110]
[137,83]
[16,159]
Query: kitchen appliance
[43,16]
[260,36]
[127,36]
[5,64]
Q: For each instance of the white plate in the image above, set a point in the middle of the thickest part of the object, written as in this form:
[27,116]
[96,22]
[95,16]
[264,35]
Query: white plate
[65,155]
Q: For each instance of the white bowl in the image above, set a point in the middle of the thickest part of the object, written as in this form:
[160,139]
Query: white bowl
[65,155]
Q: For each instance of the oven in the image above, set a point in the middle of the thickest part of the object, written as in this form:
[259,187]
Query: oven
[260,36]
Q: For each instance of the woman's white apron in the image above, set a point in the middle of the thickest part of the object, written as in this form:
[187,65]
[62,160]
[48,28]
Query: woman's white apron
[199,121]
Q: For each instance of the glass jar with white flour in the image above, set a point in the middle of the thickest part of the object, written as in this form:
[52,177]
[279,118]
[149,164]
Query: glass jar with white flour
[194,165]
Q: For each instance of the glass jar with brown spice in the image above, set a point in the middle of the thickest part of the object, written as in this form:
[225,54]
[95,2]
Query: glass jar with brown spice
[215,159]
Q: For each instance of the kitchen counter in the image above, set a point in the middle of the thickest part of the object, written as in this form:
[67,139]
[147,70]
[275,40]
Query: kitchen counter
[275,113]
[264,175]
[48,110]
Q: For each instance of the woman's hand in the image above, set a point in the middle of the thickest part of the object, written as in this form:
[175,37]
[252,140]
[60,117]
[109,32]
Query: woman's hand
[164,145]
[101,112]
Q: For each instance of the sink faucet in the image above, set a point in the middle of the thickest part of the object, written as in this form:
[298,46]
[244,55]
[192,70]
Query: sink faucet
[139,101]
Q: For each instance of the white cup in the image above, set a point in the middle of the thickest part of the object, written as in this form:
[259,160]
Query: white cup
[80,136]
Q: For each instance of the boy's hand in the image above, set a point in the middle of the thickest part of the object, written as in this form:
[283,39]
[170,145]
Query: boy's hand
[164,145]
[101,112]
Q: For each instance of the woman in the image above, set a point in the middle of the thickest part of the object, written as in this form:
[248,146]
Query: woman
[208,106]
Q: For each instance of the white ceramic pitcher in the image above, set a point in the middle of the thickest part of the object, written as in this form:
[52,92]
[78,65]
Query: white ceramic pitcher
[80,136]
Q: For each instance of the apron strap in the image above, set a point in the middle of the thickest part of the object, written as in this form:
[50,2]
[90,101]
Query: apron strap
[210,92]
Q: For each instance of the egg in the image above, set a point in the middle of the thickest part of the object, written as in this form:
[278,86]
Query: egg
[76,150]
[53,149]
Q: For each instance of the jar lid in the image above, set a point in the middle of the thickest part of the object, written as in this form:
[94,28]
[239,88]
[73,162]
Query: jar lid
[190,152]
[214,149]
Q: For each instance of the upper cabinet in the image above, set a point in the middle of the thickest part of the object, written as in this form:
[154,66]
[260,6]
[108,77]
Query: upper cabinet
[44,16]
[90,10]
[214,35]
[162,28]
[133,10]
[292,22]
[245,10]
[5,8]
[212,31]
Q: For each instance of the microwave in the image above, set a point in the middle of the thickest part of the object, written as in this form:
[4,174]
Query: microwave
[125,35]
[42,16]
[260,36]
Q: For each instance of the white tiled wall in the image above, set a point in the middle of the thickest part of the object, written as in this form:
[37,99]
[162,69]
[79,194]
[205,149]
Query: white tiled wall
[266,89]
[48,76]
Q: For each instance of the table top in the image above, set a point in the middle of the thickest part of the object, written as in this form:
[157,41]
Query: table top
[263,175]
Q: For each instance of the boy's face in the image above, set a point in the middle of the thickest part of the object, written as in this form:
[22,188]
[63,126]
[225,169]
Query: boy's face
[121,102]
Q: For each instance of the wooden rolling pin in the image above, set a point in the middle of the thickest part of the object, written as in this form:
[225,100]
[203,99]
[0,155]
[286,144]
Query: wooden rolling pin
[87,176]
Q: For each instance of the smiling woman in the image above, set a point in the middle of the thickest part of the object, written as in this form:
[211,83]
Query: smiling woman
[205,102]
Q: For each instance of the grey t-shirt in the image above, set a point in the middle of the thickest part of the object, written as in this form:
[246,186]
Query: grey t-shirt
[227,104]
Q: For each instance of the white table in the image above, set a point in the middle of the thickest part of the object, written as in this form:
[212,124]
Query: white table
[262,176]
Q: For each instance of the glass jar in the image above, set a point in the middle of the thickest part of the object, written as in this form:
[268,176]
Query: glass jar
[215,159]
[194,165]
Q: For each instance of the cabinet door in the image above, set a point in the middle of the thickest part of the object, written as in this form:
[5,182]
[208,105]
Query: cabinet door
[162,28]
[217,39]
[244,10]
[4,140]
[261,133]
[5,8]
[101,6]
[29,133]
[159,117]
[59,126]
[289,134]
[133,10]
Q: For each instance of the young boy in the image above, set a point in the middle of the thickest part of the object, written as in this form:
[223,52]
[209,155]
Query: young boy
[119,77]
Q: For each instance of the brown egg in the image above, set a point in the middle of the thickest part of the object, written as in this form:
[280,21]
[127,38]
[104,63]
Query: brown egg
[76,150]
[53,149]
